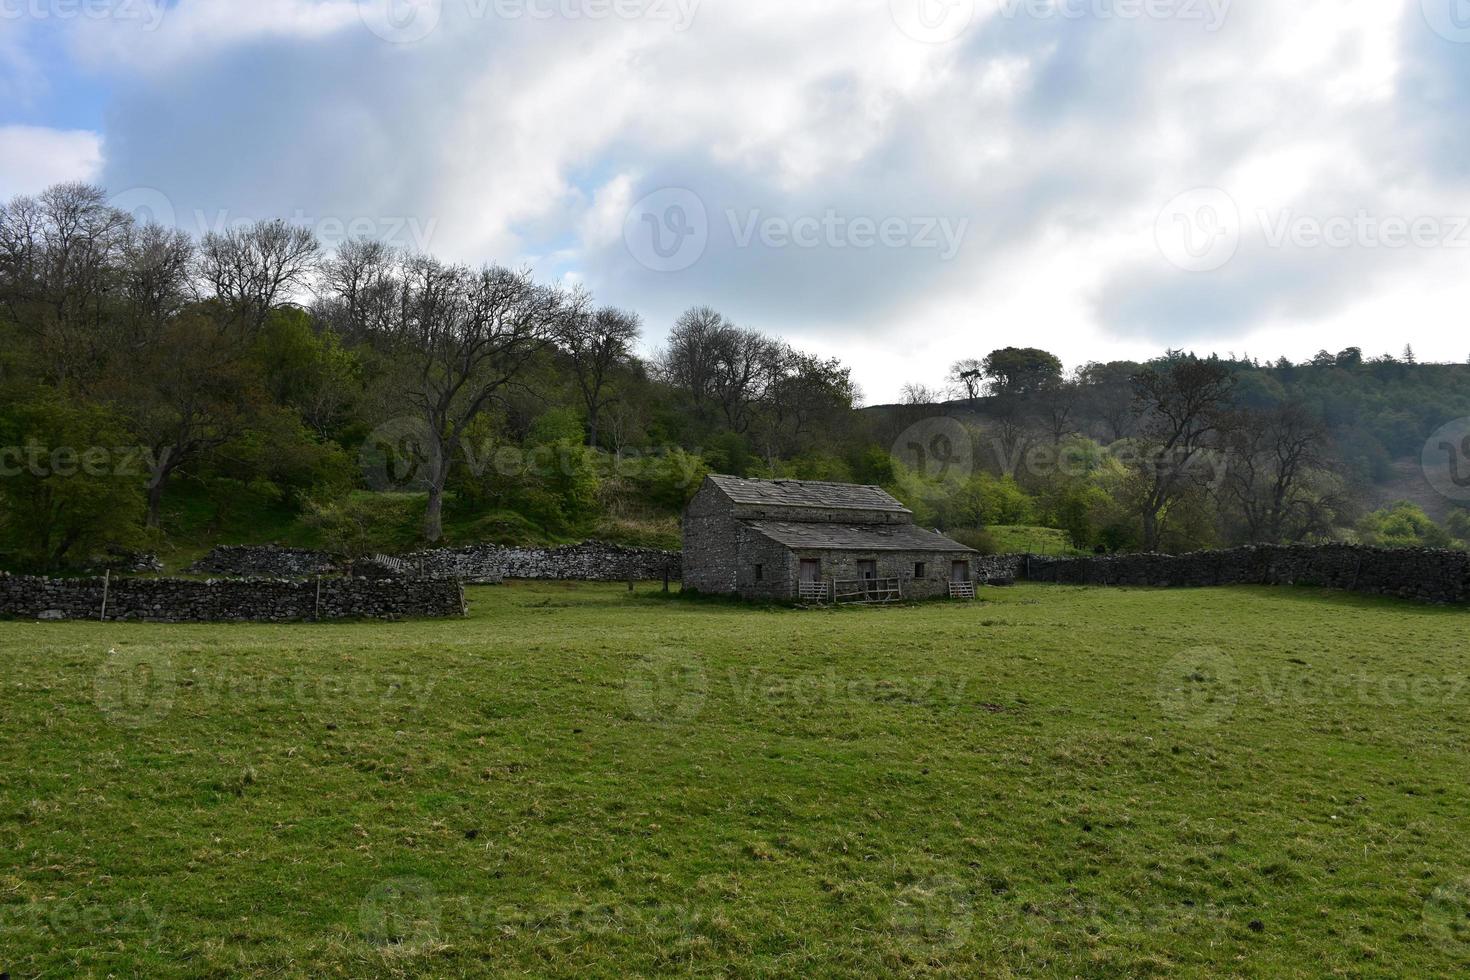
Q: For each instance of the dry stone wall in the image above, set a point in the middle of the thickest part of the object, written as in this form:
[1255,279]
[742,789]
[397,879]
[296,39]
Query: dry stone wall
[1419,575]
[593,561]
[223,601]
[264,562]
[133,563]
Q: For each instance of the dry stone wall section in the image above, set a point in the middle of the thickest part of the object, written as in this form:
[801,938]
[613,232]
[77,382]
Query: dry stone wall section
[226,600]
[1441,577]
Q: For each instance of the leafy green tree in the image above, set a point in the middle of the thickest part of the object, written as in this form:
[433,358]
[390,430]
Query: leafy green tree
[1080,507]
[71,481]
[1021,371]
[1402,525]
[670,479]
[185,397]
[308,371]
[1458,524]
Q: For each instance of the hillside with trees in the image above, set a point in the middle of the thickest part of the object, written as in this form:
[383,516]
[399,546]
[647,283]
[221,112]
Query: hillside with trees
[162,393]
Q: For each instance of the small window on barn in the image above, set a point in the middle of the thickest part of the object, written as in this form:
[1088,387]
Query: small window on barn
[919,569]
[760,573]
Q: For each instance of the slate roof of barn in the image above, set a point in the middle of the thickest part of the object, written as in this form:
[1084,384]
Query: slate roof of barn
[855,537]
[808,494]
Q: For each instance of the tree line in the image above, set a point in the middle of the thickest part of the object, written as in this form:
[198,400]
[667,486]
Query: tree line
[251,361]
[1189,452]
[157,390]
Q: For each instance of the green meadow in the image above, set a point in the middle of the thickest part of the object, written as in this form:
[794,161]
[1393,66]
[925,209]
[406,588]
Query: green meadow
[581,782]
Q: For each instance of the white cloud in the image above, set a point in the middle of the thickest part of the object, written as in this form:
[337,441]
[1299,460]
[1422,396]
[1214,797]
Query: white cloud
[33,158]
[153,36]
[1059,140]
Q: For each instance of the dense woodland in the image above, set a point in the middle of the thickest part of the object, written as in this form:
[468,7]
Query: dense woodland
[161,393]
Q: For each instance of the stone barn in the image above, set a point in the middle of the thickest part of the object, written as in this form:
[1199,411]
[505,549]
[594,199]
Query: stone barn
[818,542]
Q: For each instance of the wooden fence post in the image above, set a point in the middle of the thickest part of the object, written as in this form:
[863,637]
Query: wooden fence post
[318,615]
[106,587]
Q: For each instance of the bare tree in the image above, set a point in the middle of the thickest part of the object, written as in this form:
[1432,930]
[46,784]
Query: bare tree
[60,265]
[1184,401]
[359,290]
[251,271]
[461,337]
[689,362]
[1014,420]
[918,395]
[1108,394]
[805,397]
[626,418]
[967,379]
[598,344]
[1059,403]
[745,365]
[1274,456]
[156,268]
[722,368]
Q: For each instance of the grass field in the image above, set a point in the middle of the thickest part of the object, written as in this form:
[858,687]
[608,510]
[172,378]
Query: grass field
[576,782]
[1029,541]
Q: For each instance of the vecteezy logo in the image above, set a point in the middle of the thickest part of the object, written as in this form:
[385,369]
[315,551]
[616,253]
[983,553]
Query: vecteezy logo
[1199,688]
[668,230]
[400,455]
[933,21]
[937,448]
[135,689]
[1199,231]
[401,21]
[1446,461]
[1450,19]
[402,912]
[147,205]
[933,916]
[667,685]
[1447,915]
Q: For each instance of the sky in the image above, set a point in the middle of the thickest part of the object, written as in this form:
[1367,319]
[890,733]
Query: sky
[898,183]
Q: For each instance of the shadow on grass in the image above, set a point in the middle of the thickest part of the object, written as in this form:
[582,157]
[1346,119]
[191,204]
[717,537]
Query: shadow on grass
[699,600]
[1314,595]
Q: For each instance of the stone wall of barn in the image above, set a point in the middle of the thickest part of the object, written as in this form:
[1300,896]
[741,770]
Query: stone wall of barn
[721,555]
[901,565]
[226,600]
[778,568]
[1418,575]
[712,540]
